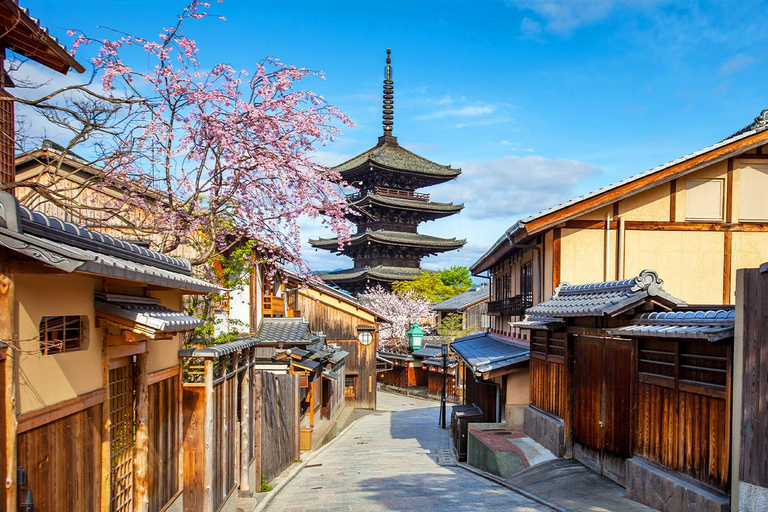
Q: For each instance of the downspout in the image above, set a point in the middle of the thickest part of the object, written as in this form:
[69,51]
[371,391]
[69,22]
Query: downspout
[539,263]
[498,401]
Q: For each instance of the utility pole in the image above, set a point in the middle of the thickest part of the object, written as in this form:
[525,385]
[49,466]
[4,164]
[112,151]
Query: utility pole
[445,375]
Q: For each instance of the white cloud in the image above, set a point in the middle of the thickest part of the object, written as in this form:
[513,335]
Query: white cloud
[468,111]
[563,17]
[511,186]
[736,63]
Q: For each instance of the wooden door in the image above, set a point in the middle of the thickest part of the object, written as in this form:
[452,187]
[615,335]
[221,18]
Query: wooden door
[602,410]
[122,397]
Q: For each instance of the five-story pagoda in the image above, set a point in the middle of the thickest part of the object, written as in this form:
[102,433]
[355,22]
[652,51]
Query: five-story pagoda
[387,246]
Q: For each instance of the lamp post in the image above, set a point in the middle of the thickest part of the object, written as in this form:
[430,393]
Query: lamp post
[415,336]
[443,404]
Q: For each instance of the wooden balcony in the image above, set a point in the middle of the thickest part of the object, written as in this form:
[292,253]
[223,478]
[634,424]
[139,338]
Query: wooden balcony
[391,192]
[512,306]
[274,307]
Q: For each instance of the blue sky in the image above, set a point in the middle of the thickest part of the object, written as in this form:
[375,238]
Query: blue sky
[536,101]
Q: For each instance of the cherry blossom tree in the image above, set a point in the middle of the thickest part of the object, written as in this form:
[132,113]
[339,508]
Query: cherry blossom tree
[402,310]
[214,156]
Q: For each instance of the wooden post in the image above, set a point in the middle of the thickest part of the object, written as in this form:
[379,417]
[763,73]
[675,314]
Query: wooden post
[208,436]
[7,335]
[141,450]
[106,424]
[257,385]
[245,422]
[297,416]
[311,400]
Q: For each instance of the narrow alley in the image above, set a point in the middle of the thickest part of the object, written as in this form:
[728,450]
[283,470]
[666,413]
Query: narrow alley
[391,460]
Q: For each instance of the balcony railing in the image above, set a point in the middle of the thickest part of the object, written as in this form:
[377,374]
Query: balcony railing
[513,306]
[390,192]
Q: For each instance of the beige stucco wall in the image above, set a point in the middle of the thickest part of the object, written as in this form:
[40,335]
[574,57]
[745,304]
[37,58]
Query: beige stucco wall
[165,353]
[582,258]
[689,262]
[46,380]
[548,245]
[518,387]
[750,250]
[652,205]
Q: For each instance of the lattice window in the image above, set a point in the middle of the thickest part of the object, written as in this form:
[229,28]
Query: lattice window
[526,283]
[61,334]
[7,164]
[350,386]
[121,437]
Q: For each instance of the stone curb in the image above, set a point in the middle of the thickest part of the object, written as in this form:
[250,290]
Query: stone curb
[512,487]
[262,504]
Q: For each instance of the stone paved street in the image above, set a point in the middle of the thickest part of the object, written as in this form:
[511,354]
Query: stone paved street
[389,461]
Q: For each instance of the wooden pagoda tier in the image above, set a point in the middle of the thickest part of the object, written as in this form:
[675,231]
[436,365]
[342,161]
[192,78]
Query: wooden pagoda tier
[357,280]
[390,165]
[384,208]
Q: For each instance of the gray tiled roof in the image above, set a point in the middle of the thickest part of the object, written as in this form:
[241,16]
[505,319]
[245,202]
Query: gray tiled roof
[393,355]
[427,351]
[284,330]
[146,311]
[608,298]
[712,325]
[438,361]
[219,350]
[751,129]
[461,301]
[392,238]
[71,248]
[485,352]
[396,157]
[538,322]
[407,204]
[379,272]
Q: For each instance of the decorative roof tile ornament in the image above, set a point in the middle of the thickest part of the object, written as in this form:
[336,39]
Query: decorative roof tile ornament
[388,112]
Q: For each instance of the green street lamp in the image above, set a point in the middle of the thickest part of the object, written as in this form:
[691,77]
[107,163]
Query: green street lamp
[415,335]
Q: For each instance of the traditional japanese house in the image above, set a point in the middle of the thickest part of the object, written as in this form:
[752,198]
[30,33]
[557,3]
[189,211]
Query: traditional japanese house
[492,369]
[387,246]
[405,373]
[637,386]
[92,386]
[434,368]
[343,320]
[472,305]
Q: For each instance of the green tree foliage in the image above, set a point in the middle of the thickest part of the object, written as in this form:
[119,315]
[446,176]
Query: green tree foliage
[437,286]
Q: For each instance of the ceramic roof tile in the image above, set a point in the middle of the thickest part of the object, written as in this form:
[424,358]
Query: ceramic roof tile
[607,298]
[146,311]
[284,330]
[486,352]
[465,299]
[712,325]
[379,272]
[394,156]
[408,204]
[427,351]
[393,238]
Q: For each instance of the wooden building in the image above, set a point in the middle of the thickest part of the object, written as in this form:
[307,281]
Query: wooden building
[387,246]
[92,374]
[638,387]
[472,305]
[491,371]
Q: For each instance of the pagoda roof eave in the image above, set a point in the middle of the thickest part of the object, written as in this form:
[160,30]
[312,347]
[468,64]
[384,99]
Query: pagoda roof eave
[393,157]
[408,204]
[379,273]
[402,239]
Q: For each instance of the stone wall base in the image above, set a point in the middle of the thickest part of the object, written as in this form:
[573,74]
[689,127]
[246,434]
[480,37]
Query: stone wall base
[752,498]
[546,430]
[665,490]
[514,415]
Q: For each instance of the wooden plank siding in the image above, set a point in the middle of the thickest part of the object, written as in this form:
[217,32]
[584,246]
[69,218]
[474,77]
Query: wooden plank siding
[682,414]
[548,372]
[278,427]
[341,327]
[164,442]
[754,426]
[63,462]
[225,433]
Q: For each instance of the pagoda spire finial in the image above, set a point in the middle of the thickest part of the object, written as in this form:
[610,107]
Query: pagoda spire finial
[388,117]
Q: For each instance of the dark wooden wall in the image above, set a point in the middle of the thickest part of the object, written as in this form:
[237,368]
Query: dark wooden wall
[193,410]
[547,371]
[481,394]
[436,384]
[164,446]
[278,423]
[225,434]
[2,426]
[754,426]
[63,462]
[342,327]
[683,419]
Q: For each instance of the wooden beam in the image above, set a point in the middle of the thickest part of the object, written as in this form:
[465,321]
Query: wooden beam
[161,375]
[106,423]
[208,432]
[729,193]
[44,415]
[245,428]
[732,149]
[141,451]
[673,201]
[118,351]
[556,258]
[8,336]
[727,266]
[746,227]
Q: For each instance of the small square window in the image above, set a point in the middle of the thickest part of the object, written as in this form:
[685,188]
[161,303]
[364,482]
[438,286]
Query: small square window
[61,334]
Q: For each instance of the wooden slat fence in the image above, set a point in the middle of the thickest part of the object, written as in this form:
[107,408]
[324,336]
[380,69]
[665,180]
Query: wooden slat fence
[548,379]
[63,462]
[754,426]
[278,423]
[164,445]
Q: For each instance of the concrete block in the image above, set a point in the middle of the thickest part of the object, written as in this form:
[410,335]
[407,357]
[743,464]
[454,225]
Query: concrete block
[752,498]
[545,430]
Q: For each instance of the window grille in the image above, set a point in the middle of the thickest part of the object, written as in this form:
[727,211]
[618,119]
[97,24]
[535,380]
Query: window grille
[60,334]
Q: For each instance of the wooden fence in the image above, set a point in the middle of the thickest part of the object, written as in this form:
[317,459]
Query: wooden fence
[234,417]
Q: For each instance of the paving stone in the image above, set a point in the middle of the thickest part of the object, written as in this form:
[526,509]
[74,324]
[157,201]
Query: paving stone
[395,468]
